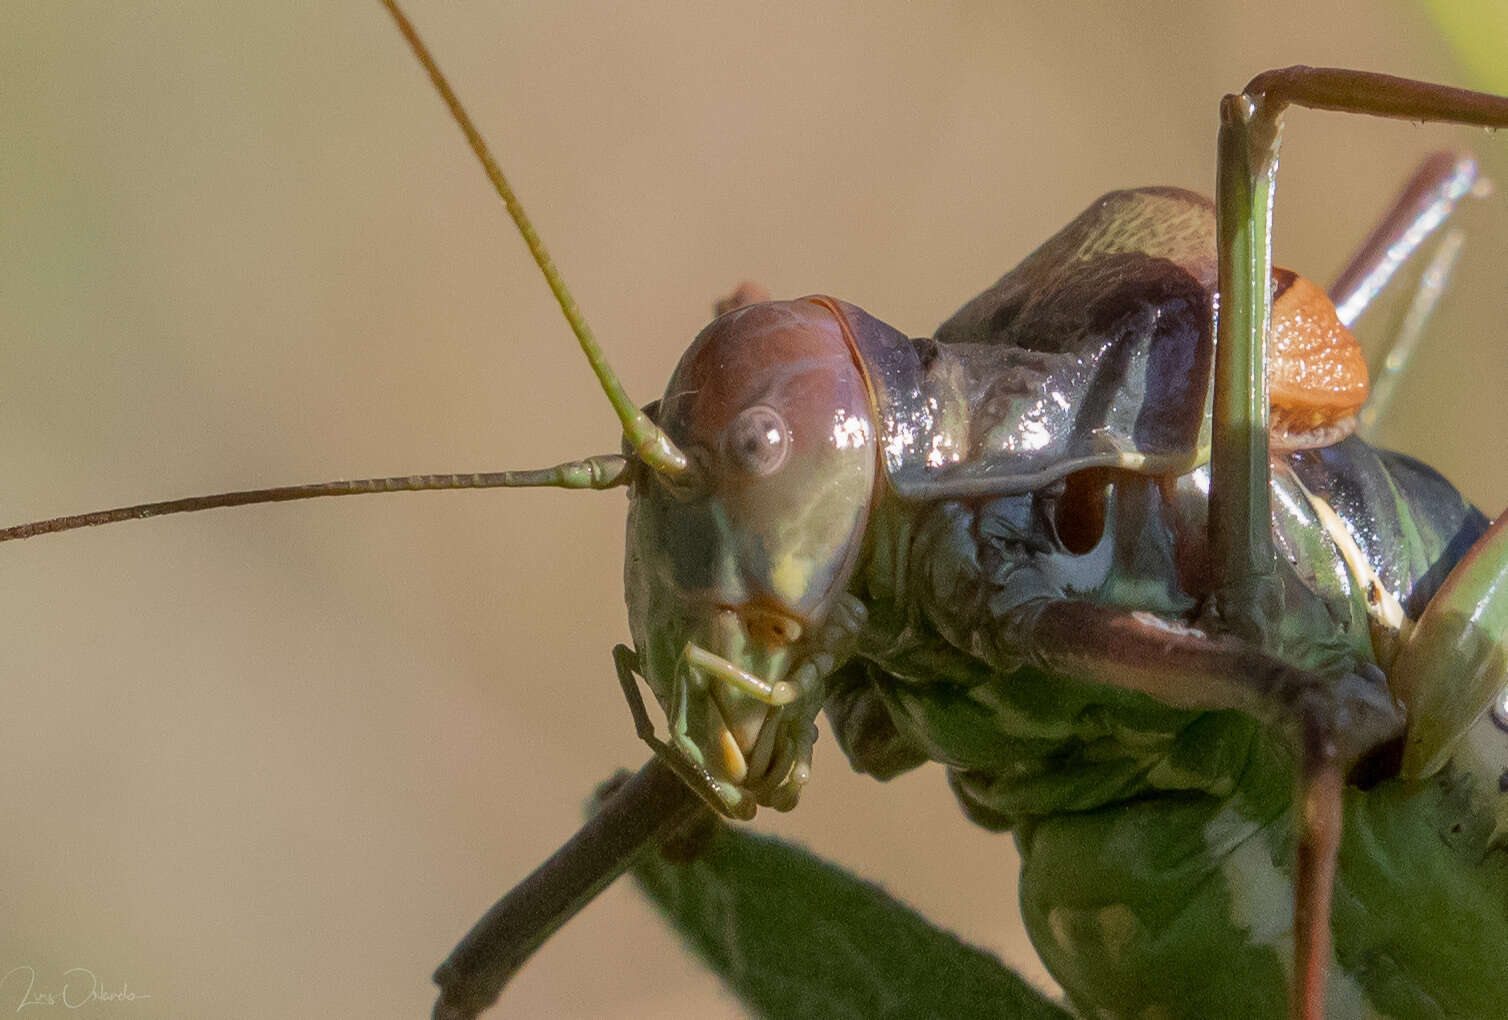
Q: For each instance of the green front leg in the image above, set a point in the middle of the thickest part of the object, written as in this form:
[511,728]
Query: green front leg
[1247,592]
[1242,558]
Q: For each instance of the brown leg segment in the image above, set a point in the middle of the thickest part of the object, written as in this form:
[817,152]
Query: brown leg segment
[1332,721]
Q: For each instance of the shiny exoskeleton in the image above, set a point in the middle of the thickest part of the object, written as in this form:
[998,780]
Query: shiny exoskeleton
[957,505]
[1156,842]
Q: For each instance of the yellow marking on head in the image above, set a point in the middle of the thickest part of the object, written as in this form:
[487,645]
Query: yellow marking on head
[791,576]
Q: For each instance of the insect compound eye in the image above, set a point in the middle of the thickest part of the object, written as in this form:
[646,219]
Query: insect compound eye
[757,442]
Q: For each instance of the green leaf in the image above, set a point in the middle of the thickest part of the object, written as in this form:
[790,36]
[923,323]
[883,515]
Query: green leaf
[795,936]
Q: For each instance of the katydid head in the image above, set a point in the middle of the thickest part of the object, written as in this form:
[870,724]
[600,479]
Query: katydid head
[736,571]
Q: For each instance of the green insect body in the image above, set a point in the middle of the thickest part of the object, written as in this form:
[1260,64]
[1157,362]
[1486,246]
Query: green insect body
[1157,844]
[1027,466]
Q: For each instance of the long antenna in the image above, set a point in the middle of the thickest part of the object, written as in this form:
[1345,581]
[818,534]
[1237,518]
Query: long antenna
[643,435]
[603,472]
[651,445]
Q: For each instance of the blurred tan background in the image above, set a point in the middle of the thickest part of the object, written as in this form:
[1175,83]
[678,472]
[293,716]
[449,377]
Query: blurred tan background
[273,762]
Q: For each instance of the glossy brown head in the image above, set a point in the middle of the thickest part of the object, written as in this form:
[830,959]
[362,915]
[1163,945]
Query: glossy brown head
[731,577]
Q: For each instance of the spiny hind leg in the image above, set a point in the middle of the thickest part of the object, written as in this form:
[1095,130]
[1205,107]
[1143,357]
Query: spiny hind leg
[1248,592]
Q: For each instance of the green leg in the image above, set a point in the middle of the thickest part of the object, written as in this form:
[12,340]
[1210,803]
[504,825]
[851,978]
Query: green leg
[1247,590]
[1455,659]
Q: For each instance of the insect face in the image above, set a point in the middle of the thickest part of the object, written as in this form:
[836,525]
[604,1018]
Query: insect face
[731,576]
